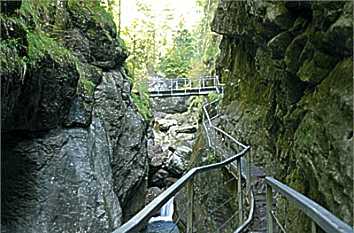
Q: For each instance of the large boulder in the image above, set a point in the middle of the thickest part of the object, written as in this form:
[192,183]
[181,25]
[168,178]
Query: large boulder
[170,150]
[170,105]
[127,133]
[59,182]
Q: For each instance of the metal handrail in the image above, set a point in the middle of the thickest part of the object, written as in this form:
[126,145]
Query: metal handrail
[322,217]
[246,223]
[139,220]
[319,215]
[184,86]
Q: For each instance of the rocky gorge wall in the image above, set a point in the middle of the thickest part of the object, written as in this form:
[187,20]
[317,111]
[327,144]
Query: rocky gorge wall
[288,70]
[73,147]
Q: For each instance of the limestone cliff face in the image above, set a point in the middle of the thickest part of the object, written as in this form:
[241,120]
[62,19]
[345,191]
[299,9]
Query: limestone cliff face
[288,73]
[73,147]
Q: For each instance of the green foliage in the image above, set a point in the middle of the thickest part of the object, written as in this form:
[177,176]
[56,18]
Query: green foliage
[188,53]
[36,13]
[30,43]
[41,45]
[36,38]
[10,61]
[207,48]
[212,158]
[142,101]
[142,59]
[35,21]
[213,96]
[87,86]
[193,53]
[141,37]
[177,62]
[94,9]
[196,102]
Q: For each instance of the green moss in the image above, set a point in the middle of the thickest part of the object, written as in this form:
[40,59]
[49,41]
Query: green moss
[211,158]
[87,86]
[198,151]
[309,71]
[195,102]
[10,61]
[93,9]
[30,36]
[143,106]
[36,10]
[41,45]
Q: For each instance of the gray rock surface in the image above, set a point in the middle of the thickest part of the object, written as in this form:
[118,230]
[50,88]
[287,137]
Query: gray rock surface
[73,146]
[128,141]
[170,105]
[36,107]
[174,135]
[59,182]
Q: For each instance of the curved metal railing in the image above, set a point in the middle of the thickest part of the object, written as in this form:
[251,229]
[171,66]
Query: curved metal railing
[319,216]
[139,220]
[240,164]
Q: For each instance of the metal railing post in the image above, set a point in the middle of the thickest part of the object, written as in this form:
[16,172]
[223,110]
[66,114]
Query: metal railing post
[313,227]
[239,189]
[249,171]
[190,206]
[171,86]
[185,86]
[158,88]
[269,209]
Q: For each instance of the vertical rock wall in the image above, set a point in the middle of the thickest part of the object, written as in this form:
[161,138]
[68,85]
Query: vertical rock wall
[288,69]
[73,147]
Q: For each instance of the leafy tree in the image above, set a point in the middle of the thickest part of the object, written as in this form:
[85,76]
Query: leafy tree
[193,53]
[114,7]
[177,61]
[208,42]
[140,37]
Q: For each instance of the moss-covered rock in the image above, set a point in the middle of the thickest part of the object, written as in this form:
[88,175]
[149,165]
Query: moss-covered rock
[72,143]
[288,93]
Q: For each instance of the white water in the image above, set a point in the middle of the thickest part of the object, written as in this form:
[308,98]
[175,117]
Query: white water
[166,212]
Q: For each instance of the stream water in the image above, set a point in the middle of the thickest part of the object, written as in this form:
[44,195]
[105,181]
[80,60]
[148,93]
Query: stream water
[163,223]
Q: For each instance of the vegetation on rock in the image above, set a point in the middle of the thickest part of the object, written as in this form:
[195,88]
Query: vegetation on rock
[284,71]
